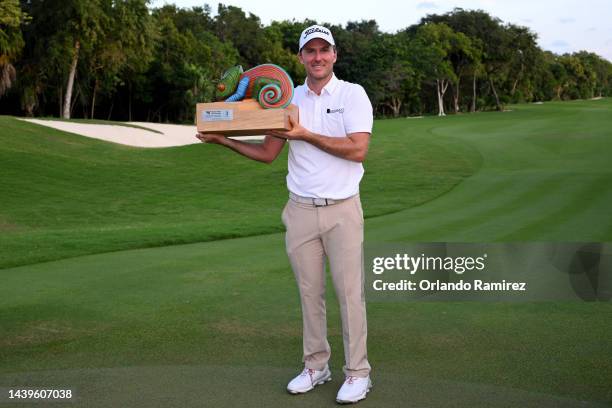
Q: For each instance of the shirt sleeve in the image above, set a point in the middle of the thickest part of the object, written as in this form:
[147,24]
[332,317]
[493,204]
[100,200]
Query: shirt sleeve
[358,115]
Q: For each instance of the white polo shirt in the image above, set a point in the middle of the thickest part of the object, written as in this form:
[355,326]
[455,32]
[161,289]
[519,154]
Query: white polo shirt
[341,109]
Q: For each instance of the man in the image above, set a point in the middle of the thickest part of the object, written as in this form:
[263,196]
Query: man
[323,216]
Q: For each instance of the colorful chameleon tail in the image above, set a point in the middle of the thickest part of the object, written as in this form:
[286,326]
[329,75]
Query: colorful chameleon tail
[278,93]
[268,83]
[243,85]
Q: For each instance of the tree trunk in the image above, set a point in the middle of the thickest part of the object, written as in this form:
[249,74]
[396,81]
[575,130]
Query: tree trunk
[514,87]
[29,109]
[60,101]
[75,99]
[519,76]
[456,96]
[130,101]
[73,66]
[473,109]
[395,105]
[110,111]
[499,105]
[440,107]
[441,86]
[93,99]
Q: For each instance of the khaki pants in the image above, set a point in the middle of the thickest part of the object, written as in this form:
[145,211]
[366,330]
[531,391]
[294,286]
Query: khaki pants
[335,232]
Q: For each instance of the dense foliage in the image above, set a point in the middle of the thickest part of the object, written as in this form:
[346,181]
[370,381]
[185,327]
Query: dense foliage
[121,60]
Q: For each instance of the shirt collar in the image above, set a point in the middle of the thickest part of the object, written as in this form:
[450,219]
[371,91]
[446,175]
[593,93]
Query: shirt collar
[328,88]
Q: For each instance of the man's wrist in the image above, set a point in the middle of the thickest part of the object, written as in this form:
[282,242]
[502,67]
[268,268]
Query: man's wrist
[309,136]
[225,141]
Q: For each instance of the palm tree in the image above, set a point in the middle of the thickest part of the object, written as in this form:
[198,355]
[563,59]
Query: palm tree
[11,41]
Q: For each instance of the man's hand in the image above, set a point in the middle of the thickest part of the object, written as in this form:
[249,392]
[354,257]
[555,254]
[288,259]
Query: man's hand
[353,147]
[264,152]
[297,132]
[215,138]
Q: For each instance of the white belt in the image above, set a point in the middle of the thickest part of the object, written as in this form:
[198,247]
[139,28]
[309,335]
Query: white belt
[316,202]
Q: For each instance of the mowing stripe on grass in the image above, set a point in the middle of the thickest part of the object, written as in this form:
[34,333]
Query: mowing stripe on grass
[460,214]
[522,210]
[564,206]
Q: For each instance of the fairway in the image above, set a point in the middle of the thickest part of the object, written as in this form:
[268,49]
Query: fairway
[158,278]
[65,195]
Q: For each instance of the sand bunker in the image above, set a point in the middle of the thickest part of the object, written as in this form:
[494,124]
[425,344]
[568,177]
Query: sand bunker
[170,135]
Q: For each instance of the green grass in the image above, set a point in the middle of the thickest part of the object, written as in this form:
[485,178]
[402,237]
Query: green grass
[189,325]
[230,309]
[545,176]
[65,195]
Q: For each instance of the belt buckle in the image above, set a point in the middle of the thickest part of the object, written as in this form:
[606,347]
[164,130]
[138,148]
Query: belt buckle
[320,202]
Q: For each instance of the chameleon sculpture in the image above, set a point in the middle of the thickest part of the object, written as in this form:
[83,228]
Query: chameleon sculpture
[269,84]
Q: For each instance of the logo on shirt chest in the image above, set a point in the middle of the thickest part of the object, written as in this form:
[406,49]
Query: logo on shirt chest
[335,110]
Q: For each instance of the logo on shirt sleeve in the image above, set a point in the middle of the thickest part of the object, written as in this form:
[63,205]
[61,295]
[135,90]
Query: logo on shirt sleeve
[335,110]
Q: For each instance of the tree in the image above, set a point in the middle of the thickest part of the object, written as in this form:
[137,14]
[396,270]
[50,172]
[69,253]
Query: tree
[186,64]
[81,25]
[11,41]
[282,55]
[523,52]
[289,32]
[245,33]
[544,80]
[598,72]
[62,33]
[560,77]
[576,76]
[356,47]
[465,56]
[127,49]
[433,45]
[117,57]
[392,77]
[475,71]
[490,34]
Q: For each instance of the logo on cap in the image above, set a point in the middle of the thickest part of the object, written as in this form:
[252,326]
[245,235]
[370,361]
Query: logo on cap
[315,30]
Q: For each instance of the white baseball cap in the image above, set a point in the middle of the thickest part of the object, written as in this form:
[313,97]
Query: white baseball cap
[316,31]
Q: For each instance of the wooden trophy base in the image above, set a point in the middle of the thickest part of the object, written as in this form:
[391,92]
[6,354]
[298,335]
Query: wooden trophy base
[244,118]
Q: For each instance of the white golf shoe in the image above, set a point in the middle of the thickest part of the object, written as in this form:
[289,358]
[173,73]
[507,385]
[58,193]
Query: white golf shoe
[308,379]
[354,389]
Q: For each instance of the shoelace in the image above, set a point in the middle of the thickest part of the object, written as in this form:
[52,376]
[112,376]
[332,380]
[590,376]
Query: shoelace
[308,371]
[350,379]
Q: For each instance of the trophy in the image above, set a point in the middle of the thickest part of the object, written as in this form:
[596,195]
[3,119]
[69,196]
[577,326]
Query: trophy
[253,102]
